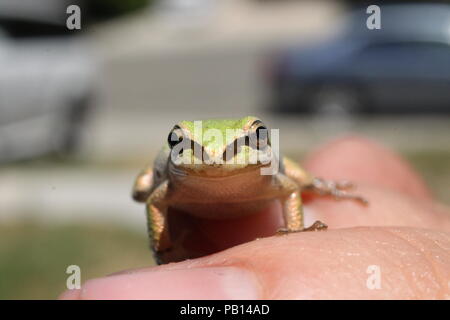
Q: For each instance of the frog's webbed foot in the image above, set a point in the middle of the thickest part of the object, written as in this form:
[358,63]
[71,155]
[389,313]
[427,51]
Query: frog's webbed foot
[336,189]
[316,226]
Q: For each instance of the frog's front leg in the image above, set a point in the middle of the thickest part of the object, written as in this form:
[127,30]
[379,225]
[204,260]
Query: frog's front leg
[293,210]
[320,186]
[157,221]
[143,185]
[335,189]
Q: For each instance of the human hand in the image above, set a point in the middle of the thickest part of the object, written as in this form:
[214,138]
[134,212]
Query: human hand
[403,233]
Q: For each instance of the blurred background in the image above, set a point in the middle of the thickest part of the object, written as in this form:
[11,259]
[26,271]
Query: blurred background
[82,111]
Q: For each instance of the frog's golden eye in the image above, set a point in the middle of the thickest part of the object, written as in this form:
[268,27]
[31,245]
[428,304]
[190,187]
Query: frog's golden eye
[262,133]
[259,138]
[175,137]
[262,136]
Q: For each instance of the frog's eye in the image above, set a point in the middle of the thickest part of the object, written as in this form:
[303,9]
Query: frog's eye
[262,137]
[261,133]
[175,137]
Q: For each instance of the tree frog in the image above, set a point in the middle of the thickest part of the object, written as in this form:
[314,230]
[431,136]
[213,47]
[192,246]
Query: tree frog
[214,169]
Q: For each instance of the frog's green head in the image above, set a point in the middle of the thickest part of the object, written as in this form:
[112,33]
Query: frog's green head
[219,147]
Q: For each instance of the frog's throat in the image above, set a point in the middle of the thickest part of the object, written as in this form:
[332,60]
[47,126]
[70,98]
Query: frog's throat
[214,171]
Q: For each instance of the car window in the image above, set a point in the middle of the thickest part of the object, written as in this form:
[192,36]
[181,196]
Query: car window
[2,35]
[412,58]
[3,41]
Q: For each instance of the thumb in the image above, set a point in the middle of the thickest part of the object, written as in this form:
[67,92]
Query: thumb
[356,263]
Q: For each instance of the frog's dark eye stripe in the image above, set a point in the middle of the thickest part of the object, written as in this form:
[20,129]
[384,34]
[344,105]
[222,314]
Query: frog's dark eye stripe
[175,137]
[259,138]
[262,136]
[261,133]
[256,123]
[199,151]
[235,147]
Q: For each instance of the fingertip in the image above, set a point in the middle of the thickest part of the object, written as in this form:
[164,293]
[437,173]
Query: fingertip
[183,283]
[359,159]
[385,208]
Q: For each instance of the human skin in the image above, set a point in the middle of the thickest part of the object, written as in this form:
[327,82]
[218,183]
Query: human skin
[404,234]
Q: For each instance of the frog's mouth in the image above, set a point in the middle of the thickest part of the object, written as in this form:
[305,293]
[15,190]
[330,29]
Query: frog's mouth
[214,170]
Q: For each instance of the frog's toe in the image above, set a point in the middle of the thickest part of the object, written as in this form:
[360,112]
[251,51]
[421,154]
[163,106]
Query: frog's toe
[339,194]
[344,185]
[317,226]
[283,231]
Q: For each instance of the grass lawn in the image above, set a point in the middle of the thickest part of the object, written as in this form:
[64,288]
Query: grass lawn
[34,258]
[435,169]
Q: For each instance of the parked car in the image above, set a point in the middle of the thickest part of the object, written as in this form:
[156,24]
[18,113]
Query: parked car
[46,90]
[402,67]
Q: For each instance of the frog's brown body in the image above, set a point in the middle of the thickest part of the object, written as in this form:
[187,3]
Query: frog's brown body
[218,192]
[224,197]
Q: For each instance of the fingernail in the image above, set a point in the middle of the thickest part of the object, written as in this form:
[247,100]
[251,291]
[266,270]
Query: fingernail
[197,283]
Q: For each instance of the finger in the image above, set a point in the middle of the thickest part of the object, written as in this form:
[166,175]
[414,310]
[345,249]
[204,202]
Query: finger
[362,161]
[386,208]
[358,263]
[194,237]
[351,159]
